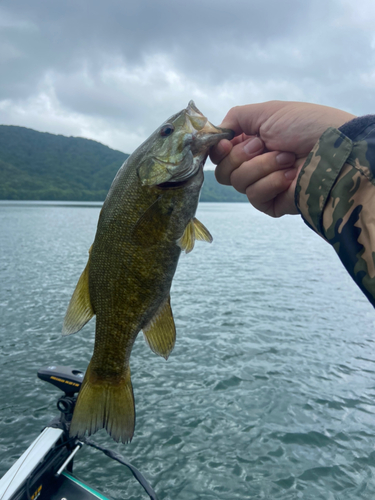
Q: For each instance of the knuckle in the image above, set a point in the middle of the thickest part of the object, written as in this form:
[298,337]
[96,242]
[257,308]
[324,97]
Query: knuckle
[251,194]
[272,213]
[277,182]
[232,113]
[220,176]
[234,110]
[236,179]
[265,131]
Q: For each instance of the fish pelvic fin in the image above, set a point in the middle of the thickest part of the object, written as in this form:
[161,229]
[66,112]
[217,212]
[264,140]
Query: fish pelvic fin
[195,230]
[80,310]
[160,333]
[102,404]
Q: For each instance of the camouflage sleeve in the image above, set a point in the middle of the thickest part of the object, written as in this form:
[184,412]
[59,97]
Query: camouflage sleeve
[335,195]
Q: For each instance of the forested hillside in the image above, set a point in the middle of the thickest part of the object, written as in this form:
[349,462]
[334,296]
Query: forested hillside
[41,166]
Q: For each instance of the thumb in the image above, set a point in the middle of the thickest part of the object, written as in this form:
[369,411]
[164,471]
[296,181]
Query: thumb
[249,118]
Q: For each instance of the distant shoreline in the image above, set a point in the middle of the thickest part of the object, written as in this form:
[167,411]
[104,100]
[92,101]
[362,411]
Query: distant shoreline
[42,167]
[62,203]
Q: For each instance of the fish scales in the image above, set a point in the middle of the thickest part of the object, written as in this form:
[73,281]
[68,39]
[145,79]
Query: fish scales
[143,263]
[146,221]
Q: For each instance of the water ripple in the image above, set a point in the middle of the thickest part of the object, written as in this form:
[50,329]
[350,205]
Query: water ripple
[269,393]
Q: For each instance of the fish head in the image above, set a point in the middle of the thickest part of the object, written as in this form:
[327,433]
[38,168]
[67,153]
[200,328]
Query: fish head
[179,147]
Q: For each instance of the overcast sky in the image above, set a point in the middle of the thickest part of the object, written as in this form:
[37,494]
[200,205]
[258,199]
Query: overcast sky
[114,70]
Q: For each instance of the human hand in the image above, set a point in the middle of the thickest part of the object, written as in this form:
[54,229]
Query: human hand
[271,144]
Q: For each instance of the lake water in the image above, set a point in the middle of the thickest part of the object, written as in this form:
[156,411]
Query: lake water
[269,392]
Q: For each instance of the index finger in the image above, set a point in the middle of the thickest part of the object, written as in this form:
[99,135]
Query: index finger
[224,147]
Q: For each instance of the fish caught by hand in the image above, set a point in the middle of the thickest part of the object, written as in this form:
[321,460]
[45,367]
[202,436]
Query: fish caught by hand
[147,219]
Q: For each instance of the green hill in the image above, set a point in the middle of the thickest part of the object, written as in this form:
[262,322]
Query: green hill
[41,166]
[213,191]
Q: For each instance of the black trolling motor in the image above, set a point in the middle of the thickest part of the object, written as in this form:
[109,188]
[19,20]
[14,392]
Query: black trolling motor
[45,469]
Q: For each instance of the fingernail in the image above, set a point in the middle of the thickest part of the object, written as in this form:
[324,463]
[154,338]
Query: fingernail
[290,174]
[253,146]
[285,158]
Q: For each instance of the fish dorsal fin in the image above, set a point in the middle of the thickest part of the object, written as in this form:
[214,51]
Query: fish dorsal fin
[195,230]
[160,333]
[80,310]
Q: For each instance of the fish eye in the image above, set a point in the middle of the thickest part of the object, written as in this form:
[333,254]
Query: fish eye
[167,130]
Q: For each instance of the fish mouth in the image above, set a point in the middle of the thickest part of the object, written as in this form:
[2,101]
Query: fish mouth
[206,138]
[206,134]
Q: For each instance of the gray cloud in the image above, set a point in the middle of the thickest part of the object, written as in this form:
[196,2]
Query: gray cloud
[53,35]
[114,70]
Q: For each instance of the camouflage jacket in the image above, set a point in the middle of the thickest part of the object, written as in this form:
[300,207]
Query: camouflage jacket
[335,195]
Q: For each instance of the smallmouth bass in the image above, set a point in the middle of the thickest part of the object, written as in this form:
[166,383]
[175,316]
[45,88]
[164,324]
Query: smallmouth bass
[147,219]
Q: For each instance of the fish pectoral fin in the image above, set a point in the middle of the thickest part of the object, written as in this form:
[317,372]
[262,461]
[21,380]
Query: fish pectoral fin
[80,310]
[187,240]
[195,230]
[160,333]
[201,232]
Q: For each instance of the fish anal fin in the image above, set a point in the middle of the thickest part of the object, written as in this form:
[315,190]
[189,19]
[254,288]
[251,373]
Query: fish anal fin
[80,310]
[160,333]
[102,404]
[194,230]
[201,232]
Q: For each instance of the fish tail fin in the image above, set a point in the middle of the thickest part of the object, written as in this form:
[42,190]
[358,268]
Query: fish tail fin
[105,404]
